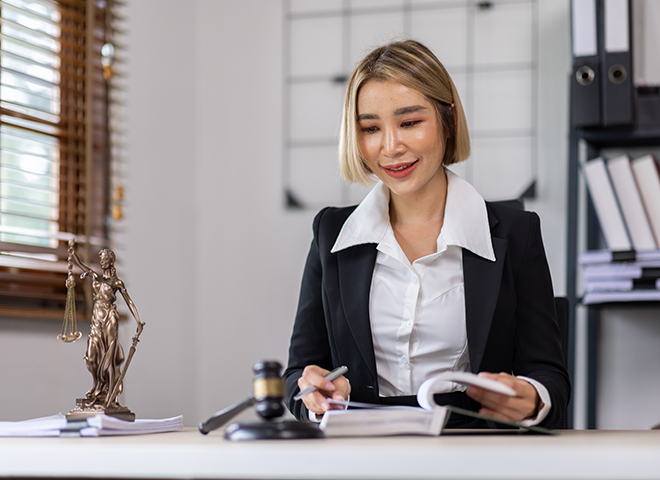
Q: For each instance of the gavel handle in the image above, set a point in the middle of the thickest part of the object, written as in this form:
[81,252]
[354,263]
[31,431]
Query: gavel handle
[223,416]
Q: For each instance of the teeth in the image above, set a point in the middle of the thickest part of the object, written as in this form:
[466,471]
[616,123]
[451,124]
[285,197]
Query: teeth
[400,168]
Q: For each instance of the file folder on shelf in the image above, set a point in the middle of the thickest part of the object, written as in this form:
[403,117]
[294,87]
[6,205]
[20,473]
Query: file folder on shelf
[585,77]
[647,176]
[616,63]
[631,204]
[608,212]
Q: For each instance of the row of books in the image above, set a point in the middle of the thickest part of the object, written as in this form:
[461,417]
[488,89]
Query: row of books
[620,276]
[625,194]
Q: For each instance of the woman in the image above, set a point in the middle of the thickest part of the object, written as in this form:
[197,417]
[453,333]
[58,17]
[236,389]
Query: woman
[423,276]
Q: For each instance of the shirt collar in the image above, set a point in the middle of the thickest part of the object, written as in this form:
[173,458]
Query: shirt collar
[465,223]
[466,218]
[369,221]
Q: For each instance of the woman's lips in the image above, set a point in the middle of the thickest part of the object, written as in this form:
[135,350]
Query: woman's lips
[400,170]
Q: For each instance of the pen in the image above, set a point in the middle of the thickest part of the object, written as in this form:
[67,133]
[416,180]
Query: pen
[337,372]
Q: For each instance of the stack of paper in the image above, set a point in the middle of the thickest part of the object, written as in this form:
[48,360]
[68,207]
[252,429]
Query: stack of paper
[609,280]
[96,426]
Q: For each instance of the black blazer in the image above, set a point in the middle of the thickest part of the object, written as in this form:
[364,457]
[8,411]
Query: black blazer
[510,313]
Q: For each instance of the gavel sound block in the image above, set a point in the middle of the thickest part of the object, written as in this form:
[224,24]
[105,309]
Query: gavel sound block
[267,395]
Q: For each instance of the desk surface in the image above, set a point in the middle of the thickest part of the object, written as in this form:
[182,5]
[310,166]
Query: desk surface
[575,454]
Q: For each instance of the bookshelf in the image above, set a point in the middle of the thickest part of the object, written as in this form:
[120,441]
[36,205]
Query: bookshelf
[584,234]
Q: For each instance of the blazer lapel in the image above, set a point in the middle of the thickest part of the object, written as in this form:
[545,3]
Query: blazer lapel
[356,266]
[482,285]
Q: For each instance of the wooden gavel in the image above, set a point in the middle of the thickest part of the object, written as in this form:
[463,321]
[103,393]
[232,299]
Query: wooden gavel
[267,394]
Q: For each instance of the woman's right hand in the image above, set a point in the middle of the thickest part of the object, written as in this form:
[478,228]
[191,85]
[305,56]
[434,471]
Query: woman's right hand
[339,389]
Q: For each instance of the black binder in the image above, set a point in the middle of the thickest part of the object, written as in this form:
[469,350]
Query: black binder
[585,77]
[616,63]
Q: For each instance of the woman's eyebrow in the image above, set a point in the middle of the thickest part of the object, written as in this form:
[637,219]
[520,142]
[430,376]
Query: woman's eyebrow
[396,113]
[411,109]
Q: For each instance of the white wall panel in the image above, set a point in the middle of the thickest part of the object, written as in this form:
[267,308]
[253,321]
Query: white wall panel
[369,31]
[444,32]
[434,3]
[316,46]
[504,34]
[314,177]
[503,101]
[361,4]
[315,110]
[505,159]
[315,6]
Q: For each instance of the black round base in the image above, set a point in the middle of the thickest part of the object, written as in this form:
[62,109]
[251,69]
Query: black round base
[272,431]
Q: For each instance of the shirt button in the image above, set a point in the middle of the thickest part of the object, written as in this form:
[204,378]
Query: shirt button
[409,324]
[415,279]
[404,360]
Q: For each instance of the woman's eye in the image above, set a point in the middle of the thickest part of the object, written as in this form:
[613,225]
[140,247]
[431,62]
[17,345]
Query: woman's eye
[369,129]
[410,123]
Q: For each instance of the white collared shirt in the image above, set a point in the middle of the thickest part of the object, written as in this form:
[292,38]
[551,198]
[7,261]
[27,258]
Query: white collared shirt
[417,310]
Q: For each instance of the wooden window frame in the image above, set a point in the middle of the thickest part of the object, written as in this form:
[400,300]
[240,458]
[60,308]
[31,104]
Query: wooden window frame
[31,287]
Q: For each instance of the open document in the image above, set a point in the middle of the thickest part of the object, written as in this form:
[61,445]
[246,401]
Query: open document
[430,419]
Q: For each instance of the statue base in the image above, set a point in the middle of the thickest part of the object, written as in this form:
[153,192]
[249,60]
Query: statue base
[84,410]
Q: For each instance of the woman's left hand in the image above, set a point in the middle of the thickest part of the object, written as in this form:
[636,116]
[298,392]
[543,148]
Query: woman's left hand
[525,404]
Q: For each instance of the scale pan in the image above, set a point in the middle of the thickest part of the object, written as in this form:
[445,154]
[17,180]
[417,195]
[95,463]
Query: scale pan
[69,338]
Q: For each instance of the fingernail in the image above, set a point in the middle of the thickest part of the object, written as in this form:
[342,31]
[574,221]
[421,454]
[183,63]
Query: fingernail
[329,386]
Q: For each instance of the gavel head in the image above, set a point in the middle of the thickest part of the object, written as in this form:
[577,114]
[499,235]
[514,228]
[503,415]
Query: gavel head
[268,389]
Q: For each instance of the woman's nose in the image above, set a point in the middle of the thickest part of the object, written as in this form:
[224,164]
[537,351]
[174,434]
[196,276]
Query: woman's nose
[393,145]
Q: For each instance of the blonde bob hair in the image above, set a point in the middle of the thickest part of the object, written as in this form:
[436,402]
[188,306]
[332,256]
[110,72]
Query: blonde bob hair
[413,65]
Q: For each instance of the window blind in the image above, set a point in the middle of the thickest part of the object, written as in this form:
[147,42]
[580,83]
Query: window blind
[57,73]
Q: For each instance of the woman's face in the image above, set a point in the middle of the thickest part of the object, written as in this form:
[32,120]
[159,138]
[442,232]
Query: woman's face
[400,137]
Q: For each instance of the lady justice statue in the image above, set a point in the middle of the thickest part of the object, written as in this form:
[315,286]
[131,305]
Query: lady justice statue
[104,355]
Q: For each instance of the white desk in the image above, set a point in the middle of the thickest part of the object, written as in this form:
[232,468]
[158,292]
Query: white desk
[188,454]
